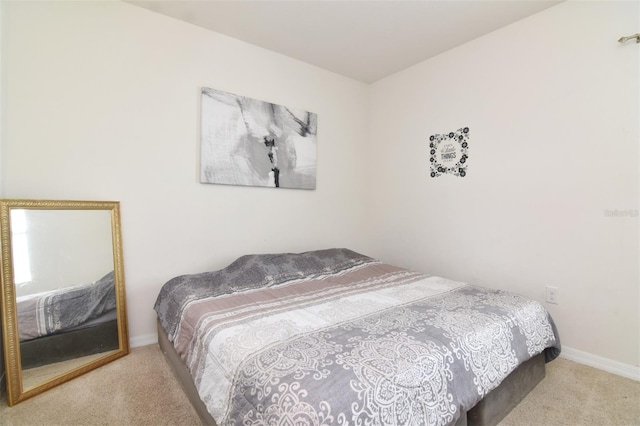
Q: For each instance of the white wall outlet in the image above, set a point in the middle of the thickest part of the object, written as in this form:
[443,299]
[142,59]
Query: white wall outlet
[552,294]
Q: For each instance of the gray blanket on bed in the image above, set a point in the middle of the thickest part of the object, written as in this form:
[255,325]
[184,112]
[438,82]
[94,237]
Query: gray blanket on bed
[334,337]
[59,310]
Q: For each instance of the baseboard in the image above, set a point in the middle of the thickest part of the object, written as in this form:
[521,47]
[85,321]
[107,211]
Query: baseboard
[601,363]
[145,340]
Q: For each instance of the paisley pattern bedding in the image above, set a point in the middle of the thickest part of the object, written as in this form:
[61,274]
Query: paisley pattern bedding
[334,337]
[66,309]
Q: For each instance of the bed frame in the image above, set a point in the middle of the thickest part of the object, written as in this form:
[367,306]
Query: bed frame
[489,411]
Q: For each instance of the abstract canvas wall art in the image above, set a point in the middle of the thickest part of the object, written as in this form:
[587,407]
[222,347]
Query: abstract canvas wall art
[245,141]
[449,153]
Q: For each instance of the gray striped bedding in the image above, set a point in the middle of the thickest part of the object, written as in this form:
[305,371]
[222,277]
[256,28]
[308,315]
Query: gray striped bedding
[332,337]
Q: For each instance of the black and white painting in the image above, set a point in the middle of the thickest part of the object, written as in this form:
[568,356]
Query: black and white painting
[245,141]
[449,153]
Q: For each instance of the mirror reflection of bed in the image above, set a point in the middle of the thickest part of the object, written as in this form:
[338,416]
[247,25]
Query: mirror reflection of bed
[65,291]
[63,329]
[63,286]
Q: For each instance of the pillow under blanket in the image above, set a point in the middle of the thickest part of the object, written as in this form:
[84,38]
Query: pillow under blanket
[250,272]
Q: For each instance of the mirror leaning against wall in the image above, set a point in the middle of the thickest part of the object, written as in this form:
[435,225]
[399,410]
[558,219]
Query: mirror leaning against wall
[63,296]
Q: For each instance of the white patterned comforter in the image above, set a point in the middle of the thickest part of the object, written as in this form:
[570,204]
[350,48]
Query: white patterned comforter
[334,337]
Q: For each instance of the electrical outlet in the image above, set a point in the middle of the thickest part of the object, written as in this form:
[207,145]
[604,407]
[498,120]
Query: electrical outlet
[552,295]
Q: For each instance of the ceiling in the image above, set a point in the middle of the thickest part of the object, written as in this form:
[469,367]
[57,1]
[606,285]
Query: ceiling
[363,40]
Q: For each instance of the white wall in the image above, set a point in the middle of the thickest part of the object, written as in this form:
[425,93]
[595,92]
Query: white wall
[102,103]
[552,103]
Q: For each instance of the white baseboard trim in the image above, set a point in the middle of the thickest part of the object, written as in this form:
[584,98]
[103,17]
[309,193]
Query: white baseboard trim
[145,340]
[606,364]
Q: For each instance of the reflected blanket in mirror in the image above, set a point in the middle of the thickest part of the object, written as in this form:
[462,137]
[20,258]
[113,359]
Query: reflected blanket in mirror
[55,311]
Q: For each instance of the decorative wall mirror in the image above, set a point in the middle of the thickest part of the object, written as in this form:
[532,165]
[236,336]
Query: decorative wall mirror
[63,297]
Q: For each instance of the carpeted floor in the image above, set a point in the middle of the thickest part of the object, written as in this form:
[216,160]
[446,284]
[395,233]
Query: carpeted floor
[140,389]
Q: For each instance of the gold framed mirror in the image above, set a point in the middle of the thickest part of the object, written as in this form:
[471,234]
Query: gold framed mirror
[63,293]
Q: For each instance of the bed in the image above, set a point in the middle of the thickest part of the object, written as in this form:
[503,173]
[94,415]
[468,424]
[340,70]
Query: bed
[68,323]
[335,337]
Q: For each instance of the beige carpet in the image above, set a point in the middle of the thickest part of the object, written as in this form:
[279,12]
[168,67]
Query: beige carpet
[140,389]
